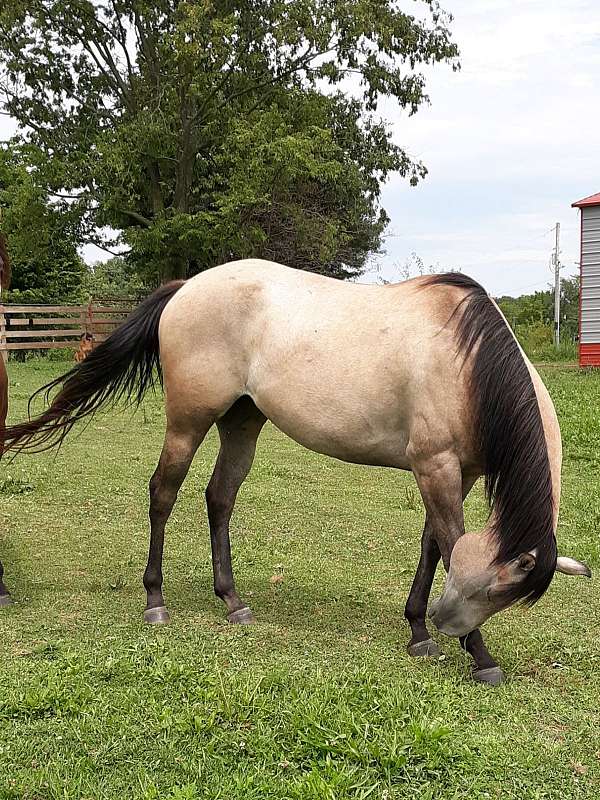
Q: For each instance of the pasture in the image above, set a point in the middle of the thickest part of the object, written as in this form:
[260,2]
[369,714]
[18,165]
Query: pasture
[319,699]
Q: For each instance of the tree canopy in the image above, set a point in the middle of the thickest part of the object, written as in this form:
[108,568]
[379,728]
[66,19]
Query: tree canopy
[42,237]
[202,131]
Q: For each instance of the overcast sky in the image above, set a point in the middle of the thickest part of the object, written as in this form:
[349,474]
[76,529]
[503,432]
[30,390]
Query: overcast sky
[510,142]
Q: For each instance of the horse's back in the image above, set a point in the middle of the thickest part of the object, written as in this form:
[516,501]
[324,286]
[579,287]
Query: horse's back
[346,369]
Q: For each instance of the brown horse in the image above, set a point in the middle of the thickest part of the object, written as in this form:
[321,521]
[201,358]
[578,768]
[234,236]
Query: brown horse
[4,284]
[423,376]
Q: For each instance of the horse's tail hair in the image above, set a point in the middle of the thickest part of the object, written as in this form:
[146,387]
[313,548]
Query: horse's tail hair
[123,367]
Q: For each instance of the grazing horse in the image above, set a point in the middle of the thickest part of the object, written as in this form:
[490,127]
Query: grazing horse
[4,284]
[423,376]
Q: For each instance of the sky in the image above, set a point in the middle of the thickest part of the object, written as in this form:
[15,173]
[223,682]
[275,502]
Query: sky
[510,142]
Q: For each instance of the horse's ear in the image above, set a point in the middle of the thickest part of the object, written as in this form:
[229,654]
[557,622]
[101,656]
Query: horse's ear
[570,566]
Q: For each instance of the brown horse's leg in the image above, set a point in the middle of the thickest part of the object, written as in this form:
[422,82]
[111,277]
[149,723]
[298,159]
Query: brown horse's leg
[178,451]
[238,430]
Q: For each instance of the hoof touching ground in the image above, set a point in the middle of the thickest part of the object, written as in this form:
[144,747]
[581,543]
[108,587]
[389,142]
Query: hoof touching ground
[493,676]
[425,648]
[243,616]
[157,616]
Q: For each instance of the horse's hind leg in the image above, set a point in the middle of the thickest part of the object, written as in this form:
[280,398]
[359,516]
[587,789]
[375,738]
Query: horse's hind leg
[238,430]
[178,451]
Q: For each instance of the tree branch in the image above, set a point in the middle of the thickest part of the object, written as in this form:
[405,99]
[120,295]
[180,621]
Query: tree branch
[147,223]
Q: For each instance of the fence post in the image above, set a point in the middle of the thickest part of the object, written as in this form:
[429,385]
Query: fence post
[3,344]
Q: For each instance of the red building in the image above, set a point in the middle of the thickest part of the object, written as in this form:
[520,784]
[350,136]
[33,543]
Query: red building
[589,287]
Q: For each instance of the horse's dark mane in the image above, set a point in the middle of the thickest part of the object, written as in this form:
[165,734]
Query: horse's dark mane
[510,435]
[4,263]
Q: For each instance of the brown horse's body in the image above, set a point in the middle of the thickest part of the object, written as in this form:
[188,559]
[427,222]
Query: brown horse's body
[424,376]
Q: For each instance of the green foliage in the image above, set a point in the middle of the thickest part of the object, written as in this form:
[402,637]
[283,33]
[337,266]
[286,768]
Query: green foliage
[42,237]
[531,317]
[317,701]
[113,280]
[209,131]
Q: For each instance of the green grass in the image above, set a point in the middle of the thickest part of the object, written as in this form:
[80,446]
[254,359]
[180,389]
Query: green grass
[319,699]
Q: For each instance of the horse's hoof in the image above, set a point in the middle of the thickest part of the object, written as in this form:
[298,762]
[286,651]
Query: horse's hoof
[157,616]
[243,616]
[425,648]
[493,676]
[5,600]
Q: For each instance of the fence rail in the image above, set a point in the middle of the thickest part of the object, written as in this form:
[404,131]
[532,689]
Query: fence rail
[53,327]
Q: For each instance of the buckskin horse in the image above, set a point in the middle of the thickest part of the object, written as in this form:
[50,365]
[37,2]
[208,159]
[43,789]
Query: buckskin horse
[423,375]
[4,284]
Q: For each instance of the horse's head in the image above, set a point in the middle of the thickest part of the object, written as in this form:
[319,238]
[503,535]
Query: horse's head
[477,586]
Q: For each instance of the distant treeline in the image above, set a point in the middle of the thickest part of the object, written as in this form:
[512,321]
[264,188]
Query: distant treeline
[531,316]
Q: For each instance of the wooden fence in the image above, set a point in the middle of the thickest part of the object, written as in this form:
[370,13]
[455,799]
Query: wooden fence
[52,327]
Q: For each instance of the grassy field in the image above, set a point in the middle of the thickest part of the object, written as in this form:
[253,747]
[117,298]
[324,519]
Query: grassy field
[319,699]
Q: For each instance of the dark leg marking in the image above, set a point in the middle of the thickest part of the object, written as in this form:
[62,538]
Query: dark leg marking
[421,643]
[486,669]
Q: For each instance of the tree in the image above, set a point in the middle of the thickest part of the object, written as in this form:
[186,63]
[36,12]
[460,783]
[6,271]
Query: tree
[112,280]
[204,131]
[41,237]
[538,308]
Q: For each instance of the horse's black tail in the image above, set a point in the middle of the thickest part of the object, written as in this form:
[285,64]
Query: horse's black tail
[122,367]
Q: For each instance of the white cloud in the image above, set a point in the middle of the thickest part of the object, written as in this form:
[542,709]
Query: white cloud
[509,142]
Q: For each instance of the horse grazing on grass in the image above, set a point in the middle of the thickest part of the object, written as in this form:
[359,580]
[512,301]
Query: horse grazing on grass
[423,376]
[4,284]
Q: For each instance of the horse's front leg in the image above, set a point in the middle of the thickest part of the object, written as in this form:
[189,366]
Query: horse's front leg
[486,669]
[421,643]
[443,487]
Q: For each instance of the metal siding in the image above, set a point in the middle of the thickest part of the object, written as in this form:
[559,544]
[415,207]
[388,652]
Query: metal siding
[590,276]
[589,355]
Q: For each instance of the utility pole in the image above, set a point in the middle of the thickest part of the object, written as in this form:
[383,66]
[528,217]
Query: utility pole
[556,263]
